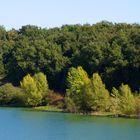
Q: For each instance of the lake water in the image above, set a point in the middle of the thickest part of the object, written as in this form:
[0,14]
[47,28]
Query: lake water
[21,124]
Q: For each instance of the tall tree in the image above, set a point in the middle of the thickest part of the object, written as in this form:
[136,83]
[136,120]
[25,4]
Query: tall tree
[127,100]
[101,100]
[78,81]
[41,83]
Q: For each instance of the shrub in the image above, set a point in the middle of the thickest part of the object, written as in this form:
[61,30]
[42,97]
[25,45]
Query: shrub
[10,95]
[70,105]
[54,99]
[138,105]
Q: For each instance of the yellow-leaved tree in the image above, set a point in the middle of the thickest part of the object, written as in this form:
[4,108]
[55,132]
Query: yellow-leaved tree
[33,96]
[115,101]
[127,100]
[41,83]
[78,87]
[101,100]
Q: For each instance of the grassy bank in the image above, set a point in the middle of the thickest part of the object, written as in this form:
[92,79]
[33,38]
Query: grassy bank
[98,114]
[56,109]
[48,109]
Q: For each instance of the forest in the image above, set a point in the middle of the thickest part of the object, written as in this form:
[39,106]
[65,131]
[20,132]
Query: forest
[79,68]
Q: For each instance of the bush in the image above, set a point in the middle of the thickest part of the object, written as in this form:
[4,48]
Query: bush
[53,99]
[138,106]
[10,95]
[70,105]
[115,101]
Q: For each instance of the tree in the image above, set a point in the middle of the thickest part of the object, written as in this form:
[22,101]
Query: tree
[127,100]
[2,70]
[78,81]
[115,101]
[111,49]
[30,87]
[137,98]
[101,100]
[41,83]
[70,105]
[87,104]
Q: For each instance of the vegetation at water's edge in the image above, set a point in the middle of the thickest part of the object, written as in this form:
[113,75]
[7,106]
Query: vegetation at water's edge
[83,95]
[48,108]
[94,68]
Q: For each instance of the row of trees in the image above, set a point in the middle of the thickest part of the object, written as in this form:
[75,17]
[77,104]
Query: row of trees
[89,95]
[83,94]
[31,92]
[35,88]
[111,49]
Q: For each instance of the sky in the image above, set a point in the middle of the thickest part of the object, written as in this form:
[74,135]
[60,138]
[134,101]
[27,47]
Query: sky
[55,13]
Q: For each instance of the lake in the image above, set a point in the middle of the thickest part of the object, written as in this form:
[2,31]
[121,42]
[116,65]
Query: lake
[24,124]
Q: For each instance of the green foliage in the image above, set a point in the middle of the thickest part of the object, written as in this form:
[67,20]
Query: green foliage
[88,95]
[137,98]
[101,100]
[70,105]
[2,71]
[48,109]
[77,78]
[2,33]
[115,101]
[110,49]
[41,83]
[54,99]
[10,95]
[77,82]
[87,104]
[127,100]
[30,87]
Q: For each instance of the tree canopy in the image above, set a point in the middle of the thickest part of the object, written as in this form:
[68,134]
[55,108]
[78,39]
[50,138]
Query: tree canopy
[112,50]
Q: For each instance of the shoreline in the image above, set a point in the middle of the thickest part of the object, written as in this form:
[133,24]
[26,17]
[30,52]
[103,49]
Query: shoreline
[97,114]
[57,110]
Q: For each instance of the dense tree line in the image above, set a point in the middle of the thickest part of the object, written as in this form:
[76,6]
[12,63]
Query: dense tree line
[94,67]
[112,50]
